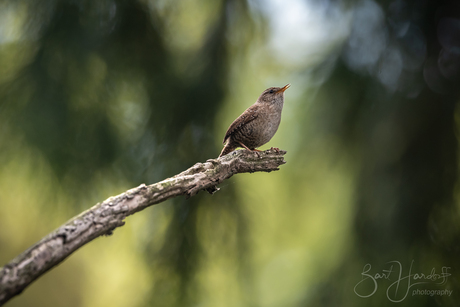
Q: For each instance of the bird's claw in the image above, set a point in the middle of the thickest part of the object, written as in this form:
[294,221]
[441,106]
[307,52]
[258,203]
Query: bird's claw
[275,149]
[257,152]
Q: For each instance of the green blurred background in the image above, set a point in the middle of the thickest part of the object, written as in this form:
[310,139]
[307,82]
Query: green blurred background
[97,97]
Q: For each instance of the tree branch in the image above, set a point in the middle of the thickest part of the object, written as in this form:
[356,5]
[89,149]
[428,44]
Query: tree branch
[104,217]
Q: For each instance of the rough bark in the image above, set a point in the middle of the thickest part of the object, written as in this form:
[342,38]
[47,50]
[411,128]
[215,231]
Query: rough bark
[104,217]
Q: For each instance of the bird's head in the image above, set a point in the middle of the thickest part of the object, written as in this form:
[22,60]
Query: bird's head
[273,94]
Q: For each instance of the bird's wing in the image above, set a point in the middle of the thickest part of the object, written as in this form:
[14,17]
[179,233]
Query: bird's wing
[248,116]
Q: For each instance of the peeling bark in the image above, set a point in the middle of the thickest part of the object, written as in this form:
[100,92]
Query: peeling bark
[104,217]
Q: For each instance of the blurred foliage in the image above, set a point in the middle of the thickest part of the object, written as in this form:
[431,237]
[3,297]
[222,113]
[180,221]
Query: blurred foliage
[99,96]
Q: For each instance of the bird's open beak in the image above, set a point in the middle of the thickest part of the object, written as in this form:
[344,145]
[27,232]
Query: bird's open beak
[281,90]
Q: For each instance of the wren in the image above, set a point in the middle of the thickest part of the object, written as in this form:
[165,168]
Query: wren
[258,124]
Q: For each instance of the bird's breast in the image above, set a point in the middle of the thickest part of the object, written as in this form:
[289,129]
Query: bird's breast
[260,130]
[266,125]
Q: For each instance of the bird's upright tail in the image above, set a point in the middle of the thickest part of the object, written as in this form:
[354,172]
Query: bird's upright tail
[228,148]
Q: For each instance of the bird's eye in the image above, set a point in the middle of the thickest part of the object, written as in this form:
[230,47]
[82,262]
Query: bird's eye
[271,91]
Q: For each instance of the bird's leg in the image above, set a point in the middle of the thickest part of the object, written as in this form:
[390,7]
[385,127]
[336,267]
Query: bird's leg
[242,145]
[252,150]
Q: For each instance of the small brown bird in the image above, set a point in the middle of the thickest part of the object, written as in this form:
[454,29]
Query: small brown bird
[258,124]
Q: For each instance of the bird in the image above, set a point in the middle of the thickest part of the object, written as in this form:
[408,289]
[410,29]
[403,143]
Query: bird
[258,124]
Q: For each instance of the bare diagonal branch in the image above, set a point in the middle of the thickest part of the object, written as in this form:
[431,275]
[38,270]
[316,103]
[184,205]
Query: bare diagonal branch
[104,217]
